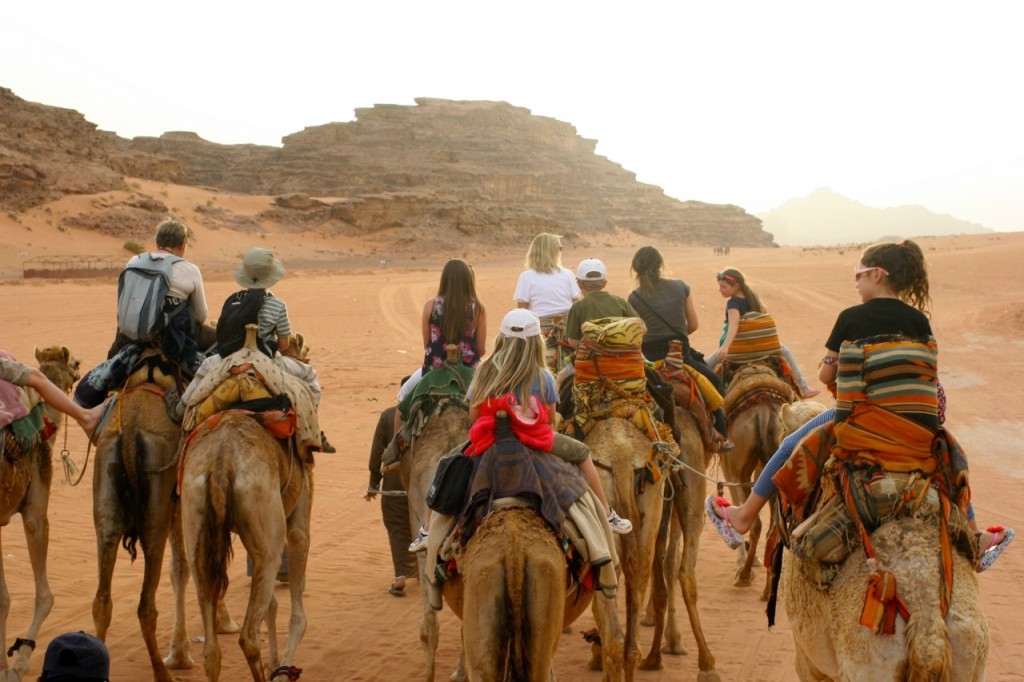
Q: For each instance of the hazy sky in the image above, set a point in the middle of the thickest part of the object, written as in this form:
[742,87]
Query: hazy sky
[746,102]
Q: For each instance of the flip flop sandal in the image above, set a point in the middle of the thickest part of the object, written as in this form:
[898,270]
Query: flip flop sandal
[397,590]
[990,555]
[728,533]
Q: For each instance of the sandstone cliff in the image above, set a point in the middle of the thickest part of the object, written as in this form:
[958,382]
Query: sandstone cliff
[440,170]
[47,152]
[481,170]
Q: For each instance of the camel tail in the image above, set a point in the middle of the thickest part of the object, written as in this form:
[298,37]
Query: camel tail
[929,654]
[517,624]
[213,547]
[134,494]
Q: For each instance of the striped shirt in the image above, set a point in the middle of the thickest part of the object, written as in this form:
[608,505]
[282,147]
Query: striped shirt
[273,319]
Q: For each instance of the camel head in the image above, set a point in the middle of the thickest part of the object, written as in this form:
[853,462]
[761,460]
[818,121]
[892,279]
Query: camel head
[297,348]
[59,365]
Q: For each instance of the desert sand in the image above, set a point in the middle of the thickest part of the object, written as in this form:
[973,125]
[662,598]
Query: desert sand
[358,306]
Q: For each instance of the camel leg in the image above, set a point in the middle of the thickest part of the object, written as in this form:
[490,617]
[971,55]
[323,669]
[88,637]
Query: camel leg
[430,628]
[153,541]
[37,532]
[484,620]
[179,657]
[612,640]
[298,554]
[689,508]
[659,591]
[637,560]
[673,639]
[108,519]
[544,618]
[262,531]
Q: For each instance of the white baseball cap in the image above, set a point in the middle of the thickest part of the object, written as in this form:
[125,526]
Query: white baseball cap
[521,324]
[591,270]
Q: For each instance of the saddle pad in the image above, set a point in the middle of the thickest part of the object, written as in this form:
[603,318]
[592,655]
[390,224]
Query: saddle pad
[756,338]
[894,373]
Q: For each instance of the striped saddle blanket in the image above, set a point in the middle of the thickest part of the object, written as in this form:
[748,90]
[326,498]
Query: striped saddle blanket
[894,373]
[756,339]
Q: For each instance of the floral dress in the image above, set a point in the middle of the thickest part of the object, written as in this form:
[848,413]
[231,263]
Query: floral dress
[435,353]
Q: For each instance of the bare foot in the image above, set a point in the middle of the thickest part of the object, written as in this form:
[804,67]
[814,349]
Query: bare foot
[811,392]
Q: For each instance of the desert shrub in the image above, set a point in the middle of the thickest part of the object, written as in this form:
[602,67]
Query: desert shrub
[134,247]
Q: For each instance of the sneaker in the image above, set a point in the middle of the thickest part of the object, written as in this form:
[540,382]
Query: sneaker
[325,445]
[726,445]
[620,526]
[420,543]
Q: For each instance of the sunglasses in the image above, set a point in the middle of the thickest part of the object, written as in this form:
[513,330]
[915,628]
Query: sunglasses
[860,269]
[723,276]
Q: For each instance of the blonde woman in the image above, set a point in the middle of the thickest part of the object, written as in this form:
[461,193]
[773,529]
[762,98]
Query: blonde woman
[547,289]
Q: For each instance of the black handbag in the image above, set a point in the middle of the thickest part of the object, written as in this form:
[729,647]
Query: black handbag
[447,493]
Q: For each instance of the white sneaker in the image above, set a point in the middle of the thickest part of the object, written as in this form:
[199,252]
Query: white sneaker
[620,526]
[420,543]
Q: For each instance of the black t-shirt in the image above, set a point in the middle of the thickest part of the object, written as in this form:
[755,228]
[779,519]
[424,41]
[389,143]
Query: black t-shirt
[878,316]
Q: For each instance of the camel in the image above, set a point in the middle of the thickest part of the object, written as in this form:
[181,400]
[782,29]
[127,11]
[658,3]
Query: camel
[926,647]
[753,402]
[681,523]
[511,594]
[444,431]
[237,477]
[514,560]
[26,490]
[614,444]
[133,484]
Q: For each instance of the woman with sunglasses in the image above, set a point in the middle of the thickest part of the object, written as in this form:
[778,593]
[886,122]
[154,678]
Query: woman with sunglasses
[742,299]
[892,281]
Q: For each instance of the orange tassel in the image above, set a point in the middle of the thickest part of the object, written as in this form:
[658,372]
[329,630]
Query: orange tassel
[881,601]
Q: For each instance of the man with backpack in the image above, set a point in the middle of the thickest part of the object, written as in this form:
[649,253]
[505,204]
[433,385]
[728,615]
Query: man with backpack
[161,299]
[160,303]
[254,304]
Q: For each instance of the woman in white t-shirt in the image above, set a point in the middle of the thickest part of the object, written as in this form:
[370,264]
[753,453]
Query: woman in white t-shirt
[548,290]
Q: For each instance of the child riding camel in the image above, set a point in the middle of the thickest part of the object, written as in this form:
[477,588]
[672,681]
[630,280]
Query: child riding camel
[516,376]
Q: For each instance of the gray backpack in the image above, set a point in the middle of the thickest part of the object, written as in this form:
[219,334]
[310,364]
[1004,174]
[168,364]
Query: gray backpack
[141,290]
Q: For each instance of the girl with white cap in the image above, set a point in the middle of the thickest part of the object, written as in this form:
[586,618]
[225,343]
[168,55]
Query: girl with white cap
[516,376]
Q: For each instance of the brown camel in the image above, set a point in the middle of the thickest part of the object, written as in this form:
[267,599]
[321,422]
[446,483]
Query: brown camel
[26,490]
[514,561]
[237,477]
[753,401]
[832,645]
[616,444]
[133,484]
[441,433]
[680,531]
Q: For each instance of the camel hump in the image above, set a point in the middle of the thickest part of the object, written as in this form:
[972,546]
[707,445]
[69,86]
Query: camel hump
[250,335]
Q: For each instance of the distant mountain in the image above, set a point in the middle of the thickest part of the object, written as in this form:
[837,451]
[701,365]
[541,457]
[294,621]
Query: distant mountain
[824,217]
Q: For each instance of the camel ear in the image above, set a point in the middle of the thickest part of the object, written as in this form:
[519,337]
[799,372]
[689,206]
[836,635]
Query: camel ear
[38,354]
[65,353]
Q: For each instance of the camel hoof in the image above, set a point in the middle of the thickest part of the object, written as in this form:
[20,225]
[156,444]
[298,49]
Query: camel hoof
[741,581]
[179,661]
[647,621]
[651,664]
[230,628]
[595,663]
[708,676]
[674,649]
